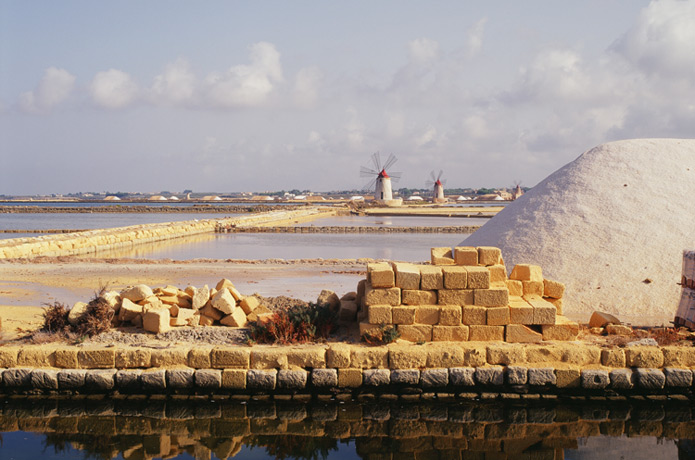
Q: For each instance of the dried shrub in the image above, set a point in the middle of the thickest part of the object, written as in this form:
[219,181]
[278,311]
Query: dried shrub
[98,318]
[298,324]
[381,335]
[670,335]
[55,318]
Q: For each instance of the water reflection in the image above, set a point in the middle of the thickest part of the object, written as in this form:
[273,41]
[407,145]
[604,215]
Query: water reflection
[393,429]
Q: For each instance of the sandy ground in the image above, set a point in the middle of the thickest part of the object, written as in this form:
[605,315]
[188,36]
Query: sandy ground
[26,287]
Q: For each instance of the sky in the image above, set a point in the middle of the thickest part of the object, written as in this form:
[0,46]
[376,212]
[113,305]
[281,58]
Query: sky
[234,96]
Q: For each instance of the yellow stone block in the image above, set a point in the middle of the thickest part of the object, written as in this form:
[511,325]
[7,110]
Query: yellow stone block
[65,358]
[391,296]
[268,358]
[473,315]
[553,289]
[534,288]
[96,358]
[450,315]
[349,378]
[488,255]
[497,316]
[249,303]
[493,297]
[644,357]
[445,355]
[527,272]
[234,379]
[455,277]
[543,312]
[431,278]
[8,356]
[455,297]
[309,356]
[170,357]
[362,357]
[427,314]
[486,333]
[407,357]
[498,273]
[381,275]
[403,314]
[199,357]
[563,329]
[505,354]
[366,326]
[466,255]
[518,333]
[520,313]
[407,275]
[515,287]
[416,332]
[449,333]
[338,356]
[679,357]
[441,256]
[379,314]
[230,357]
[130,358]
[613,357]
[417,297]
[478,277]
[568,378]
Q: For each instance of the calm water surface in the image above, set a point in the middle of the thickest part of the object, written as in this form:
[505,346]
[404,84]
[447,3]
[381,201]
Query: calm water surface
[395,221]
[87,221]
[204,429]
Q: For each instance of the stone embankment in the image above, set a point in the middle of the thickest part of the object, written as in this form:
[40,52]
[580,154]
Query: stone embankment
[144,208]
[456,369]
[94,241]
[346,229]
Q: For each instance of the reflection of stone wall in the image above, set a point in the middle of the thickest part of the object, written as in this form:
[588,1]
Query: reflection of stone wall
[94,241]
[439,429]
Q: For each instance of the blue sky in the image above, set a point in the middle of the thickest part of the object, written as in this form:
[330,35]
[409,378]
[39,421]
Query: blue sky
[253,96]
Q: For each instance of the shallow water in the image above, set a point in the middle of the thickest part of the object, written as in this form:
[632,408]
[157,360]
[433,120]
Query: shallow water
[394,221]
[88,221]
[224,428]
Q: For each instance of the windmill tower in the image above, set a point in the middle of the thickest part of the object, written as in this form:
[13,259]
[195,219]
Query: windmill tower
[381,180]
[517,191]
[438,187]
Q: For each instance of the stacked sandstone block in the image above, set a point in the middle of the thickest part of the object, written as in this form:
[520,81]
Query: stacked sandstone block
[464,295]
[157,310]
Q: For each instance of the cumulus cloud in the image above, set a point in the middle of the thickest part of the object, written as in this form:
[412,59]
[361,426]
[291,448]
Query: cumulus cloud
[423,50]
[176,85]
[247,85]
[55,86]
[661,41]
[306,87]
[113,89]
[474,40]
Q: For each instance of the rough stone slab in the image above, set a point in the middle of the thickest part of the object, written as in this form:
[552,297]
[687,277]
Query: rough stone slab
[492,375]
[405,376]
[431,278]
[621,379]
[594,379]
[434,378]
[16,378]
[44,379]
[262,379]
[293,380]
[153,379]
[180,378]
[407,275]
[100,379]
[71,379]
[128,379]
[678,378]
[541,376]
[376,377]
[466,255]
[650,379]
[324,378]
[208,379]
[517,375]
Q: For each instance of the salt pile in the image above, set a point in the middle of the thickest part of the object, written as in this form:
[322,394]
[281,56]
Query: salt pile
[612,225]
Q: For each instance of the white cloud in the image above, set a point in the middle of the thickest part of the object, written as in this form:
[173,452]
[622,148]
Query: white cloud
[423,50]
[306,87]
[474,40]
[247,85]
[113,89]
[55,86]
[661,41]
[176,85]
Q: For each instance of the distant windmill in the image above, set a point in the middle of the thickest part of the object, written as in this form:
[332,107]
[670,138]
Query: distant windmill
[517,192]
[438,187]
[381,180]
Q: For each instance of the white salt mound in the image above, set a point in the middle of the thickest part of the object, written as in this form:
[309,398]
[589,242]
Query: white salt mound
[612,225]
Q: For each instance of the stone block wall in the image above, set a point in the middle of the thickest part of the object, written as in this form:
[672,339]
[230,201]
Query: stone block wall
[465,294]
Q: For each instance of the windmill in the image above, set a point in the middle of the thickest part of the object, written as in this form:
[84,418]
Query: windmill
[381,180]
[517,192]
[438,187]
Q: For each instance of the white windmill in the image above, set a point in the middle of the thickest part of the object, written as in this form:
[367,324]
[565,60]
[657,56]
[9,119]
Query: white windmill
[438,187]
[381,180]
[517,192]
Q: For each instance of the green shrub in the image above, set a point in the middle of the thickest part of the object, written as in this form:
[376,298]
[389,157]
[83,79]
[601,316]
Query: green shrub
[298,324]
[381,335]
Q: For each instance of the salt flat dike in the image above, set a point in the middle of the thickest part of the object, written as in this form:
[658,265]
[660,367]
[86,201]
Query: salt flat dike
[93,241]
[612,225]
[144,208]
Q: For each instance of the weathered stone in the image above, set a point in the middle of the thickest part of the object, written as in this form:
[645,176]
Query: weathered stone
[518,333]
[403,314]
[330,298]
[427,314]
[418,297]
[153,379]
[112,299]
[466,255]
[323,378]
[613,357]
[678,378]
[338,355]
[450,315]
[16,377]
[553,289]
[478,278]
[262,379]
[431,278]
[292,380]
[200,297]
[434,378]
[541,376]
[676,356]
[66,358]
[491,297]
[488,255]
[347,313]
[449,333]
[594,379]
[526,272]
[416,332]
[376,377]
[185,317]
[309,356]
[8,356]
[379,314]
[440,355]
[485,333]
[543,311]
[373,296]
[128,380]
[234,379]
[236,319]
[458,297]
[96,358]
[268,358]
[136,293]
[473,315]
[621,379]
[650,379]
[442,256]
[455,277]
[618,329]
[407,357]
[505,354]
[563,329]
[646,357]
[491,375]
[77,313]
[532,288]
[498,316]
[44,379]
[405,376]
[71,379]
[224,302]
[170,357]
[568,378]
[515,288]
[369,358]
[517,375]
[156,321]
[407,275]
[381,275]
[129,310]
[349,378]
[208,379]
[599,319]
[224,283]
[179,378]
[100,379]
[462,376]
